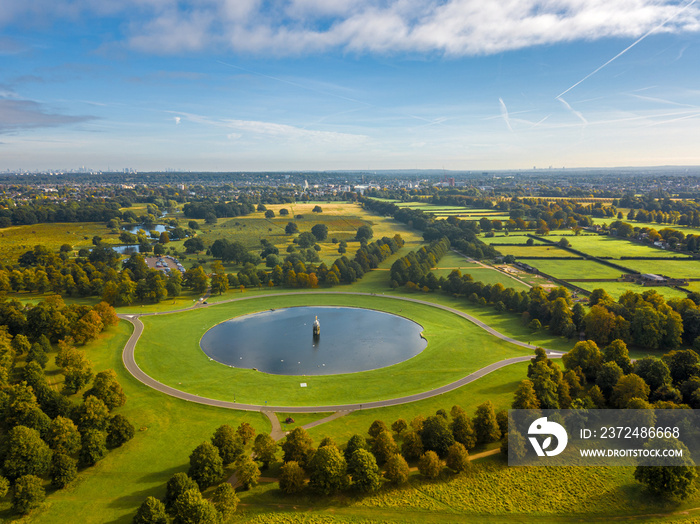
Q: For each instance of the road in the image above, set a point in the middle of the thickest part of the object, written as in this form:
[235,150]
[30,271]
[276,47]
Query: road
[133,368]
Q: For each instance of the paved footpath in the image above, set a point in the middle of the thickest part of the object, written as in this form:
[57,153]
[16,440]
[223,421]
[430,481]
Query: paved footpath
[133,368]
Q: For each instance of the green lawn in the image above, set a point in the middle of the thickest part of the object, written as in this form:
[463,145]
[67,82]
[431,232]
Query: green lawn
[671,268]
[615,289]
[169,352]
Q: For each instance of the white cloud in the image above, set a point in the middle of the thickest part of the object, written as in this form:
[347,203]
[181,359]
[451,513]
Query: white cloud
[177,120]
[449,27]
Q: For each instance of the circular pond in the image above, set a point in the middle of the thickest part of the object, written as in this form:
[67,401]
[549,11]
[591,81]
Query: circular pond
[281,341]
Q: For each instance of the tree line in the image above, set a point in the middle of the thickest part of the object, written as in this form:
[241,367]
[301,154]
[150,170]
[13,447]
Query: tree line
[414,269]
[47,436]
[607,379]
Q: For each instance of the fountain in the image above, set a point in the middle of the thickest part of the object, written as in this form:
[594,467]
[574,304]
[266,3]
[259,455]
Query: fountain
[317,328]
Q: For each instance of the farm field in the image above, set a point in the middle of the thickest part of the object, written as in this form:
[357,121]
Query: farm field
[536,250]
[671,268]
[688,230]
[615,289]
[567,269]
[606,246]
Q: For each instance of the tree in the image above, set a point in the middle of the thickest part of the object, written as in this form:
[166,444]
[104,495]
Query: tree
[587,356]
[317,209]
[119,431]
[107,389]
[37,354]
[328,471]
[206,466]
[93,447]
[178,484]
[485,424]
[463,430]
[291,479]
[399,426]
[429,465]
[4,487]
[384,446]
[629,387]
[191,508]
[246,432]
[412,446]
[225,500]
[525,397]
[682,364]
[617,352]
[356,442]
[265,449]
[26,453]
[364,233]
[91,414]
[27,494]
[376,428]
[654,371]
[396,469]
[457,458]
[364,470]
[320,231]
[306,240]
[298,447]
[63,470]
[436,435]
[63,436]
[151,511]
[291,228]
[269,213]
[677,480]
[248,473]
[608,376]
[228,443]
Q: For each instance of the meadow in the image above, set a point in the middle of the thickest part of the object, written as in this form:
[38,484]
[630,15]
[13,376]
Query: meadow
[16,240]
[537,250]
[607,246]
[575,269]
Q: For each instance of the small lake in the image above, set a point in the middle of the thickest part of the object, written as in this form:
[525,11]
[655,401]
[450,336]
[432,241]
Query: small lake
[281,341]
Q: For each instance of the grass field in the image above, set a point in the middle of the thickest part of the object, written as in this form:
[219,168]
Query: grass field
[459,349]
[688,230]
[537,250]
[342,219]
[566,269]
[671,268]
[606,246]
[615,289]
[16,240]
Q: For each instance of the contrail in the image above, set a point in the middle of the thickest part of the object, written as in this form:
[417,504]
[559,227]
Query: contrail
[504,114]
[628,48]
[577,113]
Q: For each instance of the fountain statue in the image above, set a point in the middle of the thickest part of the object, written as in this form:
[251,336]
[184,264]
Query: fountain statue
[317,328]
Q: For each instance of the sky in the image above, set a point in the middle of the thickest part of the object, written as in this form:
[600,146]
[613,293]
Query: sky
[293,85]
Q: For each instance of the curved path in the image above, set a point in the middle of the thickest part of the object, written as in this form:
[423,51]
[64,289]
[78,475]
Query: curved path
[133,368]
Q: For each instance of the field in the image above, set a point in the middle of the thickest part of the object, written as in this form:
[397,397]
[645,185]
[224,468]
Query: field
[537,250]
[447,358]
[606,246]
[574,269]
[615,289]
[16,240]
[688,230]
[342,219]
[670,268]
[465,213]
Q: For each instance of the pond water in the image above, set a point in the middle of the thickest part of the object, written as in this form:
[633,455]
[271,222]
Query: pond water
[281,341]
[135,229]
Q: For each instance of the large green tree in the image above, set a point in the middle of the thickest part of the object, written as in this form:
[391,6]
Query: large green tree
[206,467]
[328,471]
[25,453]
[151,511]
[364,470]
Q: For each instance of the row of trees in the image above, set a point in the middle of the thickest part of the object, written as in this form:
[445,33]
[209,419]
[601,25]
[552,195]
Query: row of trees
[47,436]
[415,267]
[595,379]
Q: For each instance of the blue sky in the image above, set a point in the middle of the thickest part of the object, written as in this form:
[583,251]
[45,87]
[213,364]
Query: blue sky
[257,85]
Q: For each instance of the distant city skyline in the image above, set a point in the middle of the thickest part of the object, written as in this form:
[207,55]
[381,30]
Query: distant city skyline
[236,85]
